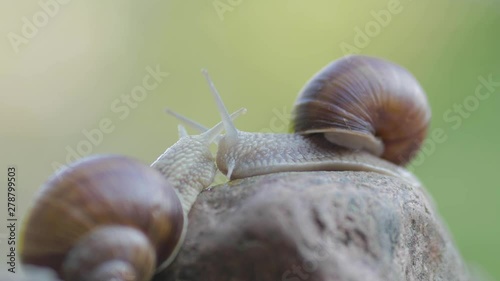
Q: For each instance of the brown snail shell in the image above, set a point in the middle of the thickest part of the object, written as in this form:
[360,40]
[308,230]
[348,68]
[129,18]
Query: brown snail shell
[367,103]
[102,217]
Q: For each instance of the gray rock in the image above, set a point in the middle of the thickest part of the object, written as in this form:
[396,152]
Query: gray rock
[316,226]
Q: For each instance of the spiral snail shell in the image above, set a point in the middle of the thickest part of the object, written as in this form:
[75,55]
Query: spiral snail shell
[104,216]
[367,103]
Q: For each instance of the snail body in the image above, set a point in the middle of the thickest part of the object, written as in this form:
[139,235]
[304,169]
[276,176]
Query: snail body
[353,111]
[265,153]
[111,217]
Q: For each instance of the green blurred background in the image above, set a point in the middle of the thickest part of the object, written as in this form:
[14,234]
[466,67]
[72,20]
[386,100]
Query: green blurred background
[85,55]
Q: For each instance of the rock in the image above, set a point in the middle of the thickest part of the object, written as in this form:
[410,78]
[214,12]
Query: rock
[316,226]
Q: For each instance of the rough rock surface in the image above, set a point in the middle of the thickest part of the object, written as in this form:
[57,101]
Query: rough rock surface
[316,226]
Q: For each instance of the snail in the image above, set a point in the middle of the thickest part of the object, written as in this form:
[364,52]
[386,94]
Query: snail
[352,112]
[111,217]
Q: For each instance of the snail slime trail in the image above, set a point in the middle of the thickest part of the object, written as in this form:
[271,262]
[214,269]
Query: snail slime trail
[11,218]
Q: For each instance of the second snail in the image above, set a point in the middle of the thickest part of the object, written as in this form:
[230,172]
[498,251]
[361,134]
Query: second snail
[354,111]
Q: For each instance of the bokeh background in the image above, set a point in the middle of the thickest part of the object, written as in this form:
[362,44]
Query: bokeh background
[76,65]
